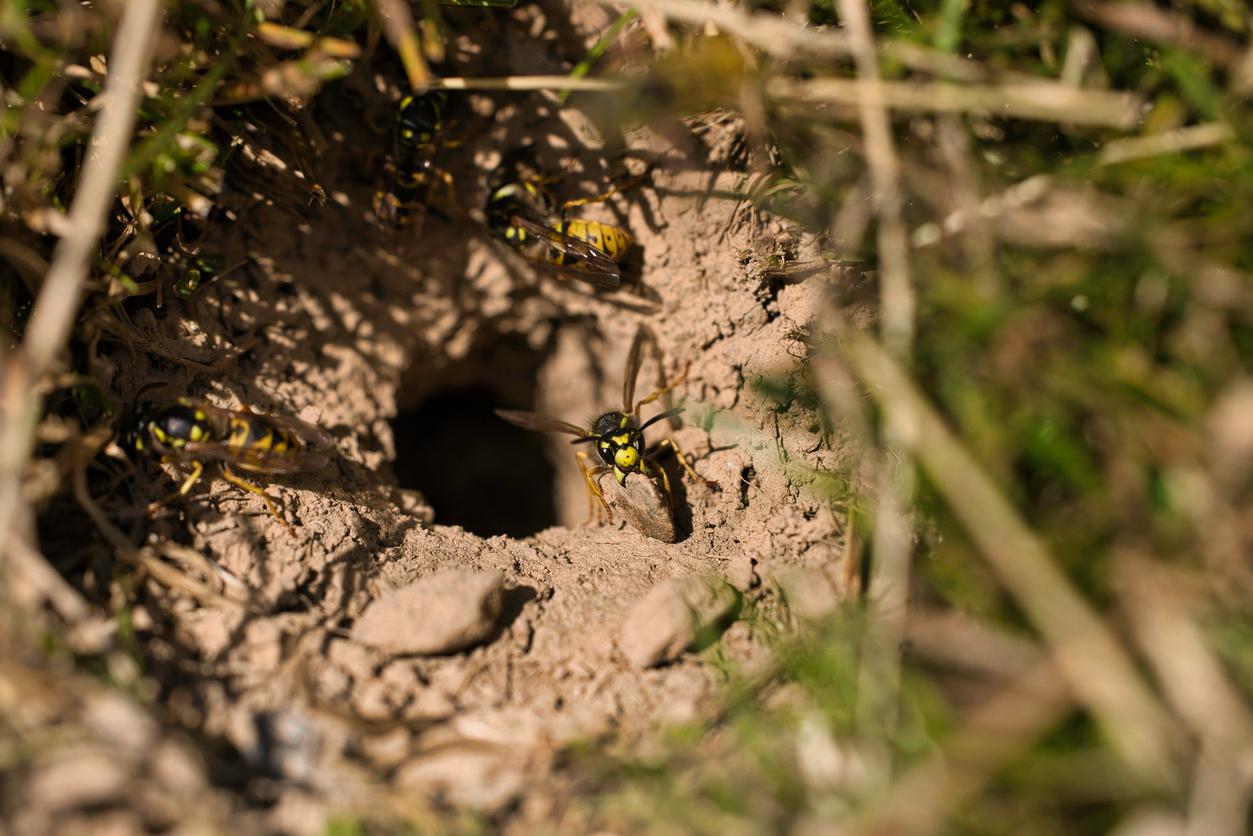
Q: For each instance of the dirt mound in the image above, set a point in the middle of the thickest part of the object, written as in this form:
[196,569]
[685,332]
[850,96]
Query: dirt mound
[401,346]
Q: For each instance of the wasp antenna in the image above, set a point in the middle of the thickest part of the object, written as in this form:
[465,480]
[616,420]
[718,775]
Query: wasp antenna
[670,413]
[148,387]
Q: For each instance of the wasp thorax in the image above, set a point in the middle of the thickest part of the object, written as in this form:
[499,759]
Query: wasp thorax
[175,425]
[419,119]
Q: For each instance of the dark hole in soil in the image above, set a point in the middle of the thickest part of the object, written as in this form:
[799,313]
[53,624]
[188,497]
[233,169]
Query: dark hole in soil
[477,470]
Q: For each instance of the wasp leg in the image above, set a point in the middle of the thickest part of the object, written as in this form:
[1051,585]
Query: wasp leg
[670,387]
[245,485]
[665,480]
[629,183]
[678,454]
[450,193]
[197,469]
[594,493]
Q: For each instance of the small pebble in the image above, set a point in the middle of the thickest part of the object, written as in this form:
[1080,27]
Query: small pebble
[810,593]
[443,613]
[741,574]
[673,616]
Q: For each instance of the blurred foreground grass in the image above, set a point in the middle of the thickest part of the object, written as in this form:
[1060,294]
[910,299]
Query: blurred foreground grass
[1050,205]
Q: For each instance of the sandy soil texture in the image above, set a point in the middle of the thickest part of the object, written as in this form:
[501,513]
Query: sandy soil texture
[442,622]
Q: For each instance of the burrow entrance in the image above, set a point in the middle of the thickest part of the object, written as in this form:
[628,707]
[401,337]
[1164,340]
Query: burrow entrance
[477,470]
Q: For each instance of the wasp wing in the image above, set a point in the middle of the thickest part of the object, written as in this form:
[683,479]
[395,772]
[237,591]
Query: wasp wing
[541,423]
[635,358]
[269,462]
[311,455]
[593,265]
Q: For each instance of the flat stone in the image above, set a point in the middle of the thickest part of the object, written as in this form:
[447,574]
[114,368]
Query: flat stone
[673,617]
[443,613]
[810,592]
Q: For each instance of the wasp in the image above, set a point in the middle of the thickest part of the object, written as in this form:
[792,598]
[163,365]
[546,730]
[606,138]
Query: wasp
[412,171]
[192,432]
[617,436]
[523,213]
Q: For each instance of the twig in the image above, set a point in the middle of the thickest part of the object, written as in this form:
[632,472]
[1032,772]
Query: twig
[1042,101]
[32,568]
[58,299]
[144,558]
[1087,654]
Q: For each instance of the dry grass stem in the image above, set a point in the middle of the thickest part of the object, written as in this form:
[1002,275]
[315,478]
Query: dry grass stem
[53,315]
[996,732]
[1200,692]
[530,82]
[1191,138]
[956,639]
[142,558]
[397,22]
[28,568]
[285,37]
[1143,20]
[1085,651]
[770,33]
[1037,212]
[1193,679]
[888,588]
[896,297]
[1043,101]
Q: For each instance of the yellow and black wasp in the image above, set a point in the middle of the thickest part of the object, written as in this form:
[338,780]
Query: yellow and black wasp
[192,432]
[618,435]
[412,171]
[523,213]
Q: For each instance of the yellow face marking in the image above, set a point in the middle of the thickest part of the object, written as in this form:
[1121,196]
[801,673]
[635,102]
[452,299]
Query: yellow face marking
[621,439]
[159,433]
[239,432]
[626,457]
